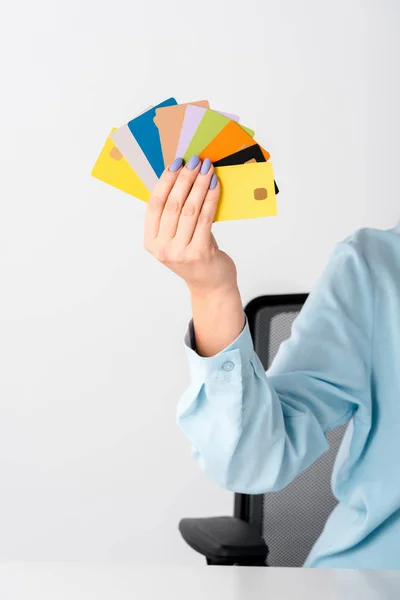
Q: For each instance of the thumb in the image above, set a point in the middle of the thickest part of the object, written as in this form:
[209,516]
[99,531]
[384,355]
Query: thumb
[214,242]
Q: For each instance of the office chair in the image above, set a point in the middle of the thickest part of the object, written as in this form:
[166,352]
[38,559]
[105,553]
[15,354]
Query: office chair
[277,528]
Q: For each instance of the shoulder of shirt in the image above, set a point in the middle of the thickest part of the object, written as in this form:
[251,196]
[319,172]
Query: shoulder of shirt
[372,244]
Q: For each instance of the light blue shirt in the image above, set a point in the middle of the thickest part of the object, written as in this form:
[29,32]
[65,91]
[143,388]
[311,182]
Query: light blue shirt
[254,432]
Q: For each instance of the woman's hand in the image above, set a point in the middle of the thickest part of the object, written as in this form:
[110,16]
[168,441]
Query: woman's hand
[179,217]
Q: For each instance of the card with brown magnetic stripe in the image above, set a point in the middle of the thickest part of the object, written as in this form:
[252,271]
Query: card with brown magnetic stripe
[112,168]
[230,139]
[251,154]
[247,192]
[169,121]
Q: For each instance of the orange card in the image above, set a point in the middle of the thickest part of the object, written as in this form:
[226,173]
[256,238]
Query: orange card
[231,139]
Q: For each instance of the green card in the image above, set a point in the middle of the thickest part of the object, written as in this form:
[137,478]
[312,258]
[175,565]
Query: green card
[210,126]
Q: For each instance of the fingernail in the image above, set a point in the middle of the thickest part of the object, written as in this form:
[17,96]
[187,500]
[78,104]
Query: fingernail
[193,162]
[213,182]
[176,165]
[205,167]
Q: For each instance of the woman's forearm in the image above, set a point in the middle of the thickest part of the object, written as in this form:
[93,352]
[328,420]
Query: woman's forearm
[218,319]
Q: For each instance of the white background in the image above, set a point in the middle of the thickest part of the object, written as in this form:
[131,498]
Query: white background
[91,326]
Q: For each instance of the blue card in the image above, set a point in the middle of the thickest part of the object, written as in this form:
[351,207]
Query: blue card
[145,132]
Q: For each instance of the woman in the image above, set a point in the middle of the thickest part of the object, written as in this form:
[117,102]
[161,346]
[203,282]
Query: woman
[254,432]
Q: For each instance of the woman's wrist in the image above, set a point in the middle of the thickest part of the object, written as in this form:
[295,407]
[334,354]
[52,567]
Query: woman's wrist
[218,319]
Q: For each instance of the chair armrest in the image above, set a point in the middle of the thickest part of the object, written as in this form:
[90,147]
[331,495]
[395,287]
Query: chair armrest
[225,540]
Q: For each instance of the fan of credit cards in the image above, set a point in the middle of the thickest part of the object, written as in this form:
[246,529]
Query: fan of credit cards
[135,155]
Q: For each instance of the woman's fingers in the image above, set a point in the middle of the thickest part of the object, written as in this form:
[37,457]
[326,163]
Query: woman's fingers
[158,199]
[177,198]
[192,207]
[183,204]
[202,235]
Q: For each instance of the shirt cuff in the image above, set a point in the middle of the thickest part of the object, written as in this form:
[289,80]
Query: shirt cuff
[232,363]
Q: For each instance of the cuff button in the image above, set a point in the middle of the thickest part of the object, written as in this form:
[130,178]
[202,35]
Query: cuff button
[228,365]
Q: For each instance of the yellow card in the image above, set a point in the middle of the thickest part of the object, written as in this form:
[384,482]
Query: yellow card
[111,167]
[247,192]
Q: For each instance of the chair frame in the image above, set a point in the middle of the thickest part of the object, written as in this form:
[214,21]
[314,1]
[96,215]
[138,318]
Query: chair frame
[249,508]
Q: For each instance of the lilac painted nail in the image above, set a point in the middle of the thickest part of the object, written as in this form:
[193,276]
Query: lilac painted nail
[205,167]
[193,162]
[176,165]
[213,182]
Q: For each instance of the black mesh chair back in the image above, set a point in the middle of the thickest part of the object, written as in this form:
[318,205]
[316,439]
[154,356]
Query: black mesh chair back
[291,519]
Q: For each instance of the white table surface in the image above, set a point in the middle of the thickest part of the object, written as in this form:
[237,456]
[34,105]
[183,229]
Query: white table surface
[120,581]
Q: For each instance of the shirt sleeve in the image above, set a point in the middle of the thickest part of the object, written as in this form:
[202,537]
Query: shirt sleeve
[254,432]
